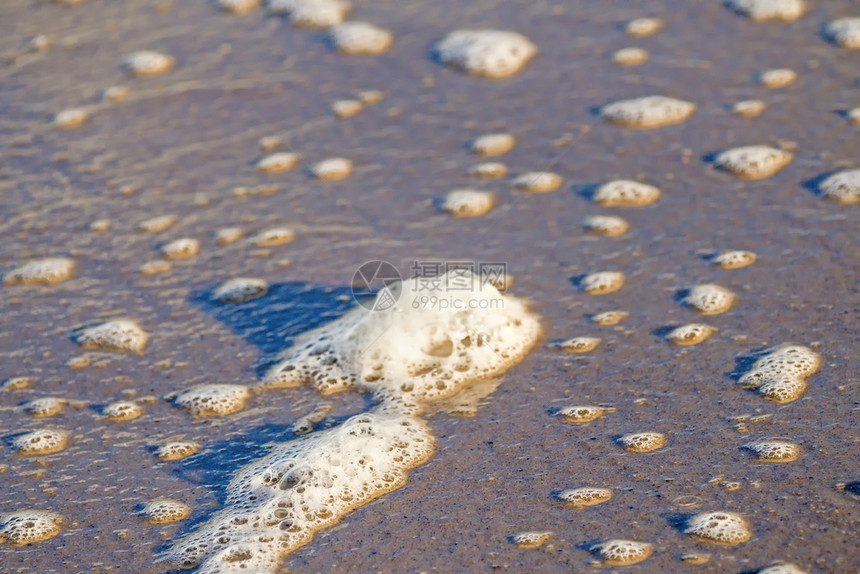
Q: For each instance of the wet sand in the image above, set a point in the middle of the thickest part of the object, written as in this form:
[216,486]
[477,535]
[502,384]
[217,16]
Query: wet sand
[189,137]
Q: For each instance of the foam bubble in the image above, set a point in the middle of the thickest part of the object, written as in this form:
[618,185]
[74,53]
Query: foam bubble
[346,108]
[490,169]
[71,118]
[726,528]
[45,407]
[100,225]
[176,450]
[602,282]
[630,56]
[29,526]
[538,181]
[156,224]
[778,78]
[781,568]
[239,7]
[311,13]
[643,27]
[122,411]
[486,53]
[332,169]
[585,496]
[844,32]
[468,202]
[696,558]
[582,414]
[774,450]
[148,63]
[734,259]
[274,236]
[418,352]
[118,335]
[781,374]
[41,441]
[164,511]
[649,112]
[45,271]
[691,334]
[213,399]
[361,39]
[623,552]
[749,108]
[494,144]
[606,225]
[155,267]
[116,94]
[241,289]
[842,187]
[642,441]
[710,299]
[227,235]
[764,10]
[854,116]
[531,538]
[578,344]
[626,193]
[753,162]
[276,504]
[609,318]
[183,248]
[17,383]
[278,162]
[371,97]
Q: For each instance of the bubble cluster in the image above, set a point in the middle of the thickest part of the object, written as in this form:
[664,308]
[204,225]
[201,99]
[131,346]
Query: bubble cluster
[643,27]
[156,224]
[781,374]
[749,108]
[734,259]
[625,193]
[842,187]
[753,162]
[119,335]
[490,169]
[29,526]
[602,282]
[228,235]
[278,162]
[241,289]
[311,13]
[774,450]
[610,318]
[630,57]
[486,53]
[70,118]
[239,7]
[41,441]
[164,511]
[765,10]
[45,407]
[778,78]
[468,202]
[176,450]
[648,112]
[781,568]
[538,181]
[691,334]
[274,236]
[585,496]
[361,39]
[213,399]
[531,538]
[45,271]
[623,552]
[710,299]
[155,267]
[345,109]
[494,144]
[581,414]
[642,441]
[148,63]
[726,528]
[606,225]
[332,169]
[183,248]
[122,411]
[844,32]
[579,344]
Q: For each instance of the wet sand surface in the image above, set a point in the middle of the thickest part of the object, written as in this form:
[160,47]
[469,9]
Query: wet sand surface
[182,142]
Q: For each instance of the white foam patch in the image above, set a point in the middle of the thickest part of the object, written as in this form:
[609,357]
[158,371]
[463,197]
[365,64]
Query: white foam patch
[213,400]
[585,497]
[148,63]
[644,27]
[602,282]
[842,187]
[361,39]
[494,144]
[623,552]
[240,289]
[183,248]
[691,334]
[845,32]
[734,259]
[606,225]
[531,538]
[45,407]
[753,162]
[749,108]
[727,528]
[119,335]
[582,414]
[778,78]
[238,7]
[626,193]
[276,504]
[486,53]
[176,450]
[468,202]
[122,411]
[642,441]
[766,10]
[782,568]
[29,526]
[538,181]
[278,162]
[156,224]
[649,112]
[41,442]
[781,374]
[490,169]
[165,511]
[578,344]
[710,299]
[630,56]
[311,13]
[274,236]
[332,169]
[45,271]
[774,450]
[346,108]
[70,118]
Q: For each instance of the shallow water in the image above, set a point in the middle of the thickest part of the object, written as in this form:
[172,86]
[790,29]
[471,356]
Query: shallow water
[192,134]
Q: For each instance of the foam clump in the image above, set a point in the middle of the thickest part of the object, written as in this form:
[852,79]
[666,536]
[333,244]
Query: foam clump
[41,441]
[490,169]
[538,181]
[155,267]
[346,108]
[753,162]
[164,511]
[278,162]
[156,224]
[734,259]
[311,13]
[691,334]
[606,225]
[781,374]
[774,450]
[122,411]
[726,528]
[494,144]
[71,118]
[176,450]
[853,115]
[578,344]
[419,352]
[361,39]
[148,63]
[626,193]
[643,27]
[842,187]
[778,78]
[274,236]
[585,496]
[765,10]
[642,441]
[183,248]
[45,407]
[45,271]
[213,400]
[531,538]
[781,568]
[623,552]
[630,56]
[610,318]
[332,169]
[228,235]
[602,282]
[468,202]
[241,289]
[238,7]
[648,112]
[277,503]
[29,526]
[710,299]
[844,32]
[582,414]
[486,53]
[119,335]
[749,108]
